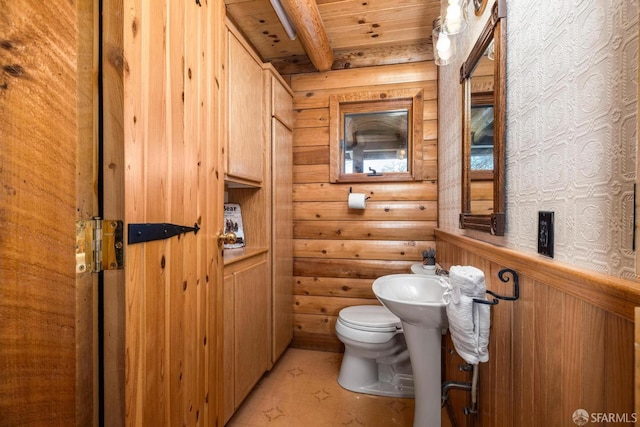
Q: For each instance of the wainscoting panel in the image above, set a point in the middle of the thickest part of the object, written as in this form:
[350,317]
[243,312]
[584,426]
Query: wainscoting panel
[555,350]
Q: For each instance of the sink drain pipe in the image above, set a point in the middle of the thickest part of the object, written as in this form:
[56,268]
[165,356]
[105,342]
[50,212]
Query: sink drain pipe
[460,385]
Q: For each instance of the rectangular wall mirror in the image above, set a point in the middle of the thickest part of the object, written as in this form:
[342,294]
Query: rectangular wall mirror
[483,79]
[376,136]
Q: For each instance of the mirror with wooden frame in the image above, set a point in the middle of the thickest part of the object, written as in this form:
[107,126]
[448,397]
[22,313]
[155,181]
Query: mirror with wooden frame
[376,136]
[483,79]
[479,6]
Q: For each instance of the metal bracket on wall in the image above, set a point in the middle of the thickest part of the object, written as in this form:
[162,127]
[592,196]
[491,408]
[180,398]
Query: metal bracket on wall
[140,233]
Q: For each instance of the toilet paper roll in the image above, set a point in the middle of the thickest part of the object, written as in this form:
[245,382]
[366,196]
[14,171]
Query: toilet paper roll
[357,201]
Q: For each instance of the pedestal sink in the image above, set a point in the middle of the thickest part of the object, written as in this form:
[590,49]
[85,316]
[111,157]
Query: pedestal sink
[417,301]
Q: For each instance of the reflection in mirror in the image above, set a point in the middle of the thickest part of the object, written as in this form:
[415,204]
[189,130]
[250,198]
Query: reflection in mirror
[482,137]
[483,81]
[482,117]
[376,136]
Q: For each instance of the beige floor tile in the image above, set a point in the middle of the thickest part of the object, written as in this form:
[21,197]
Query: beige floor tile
[302,390]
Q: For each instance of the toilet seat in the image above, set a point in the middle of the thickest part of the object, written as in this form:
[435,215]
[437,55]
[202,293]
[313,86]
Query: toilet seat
[369,318]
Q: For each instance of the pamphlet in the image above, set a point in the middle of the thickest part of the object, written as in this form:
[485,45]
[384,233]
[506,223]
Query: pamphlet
[233,223]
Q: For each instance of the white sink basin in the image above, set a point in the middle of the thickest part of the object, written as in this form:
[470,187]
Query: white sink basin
[415,299]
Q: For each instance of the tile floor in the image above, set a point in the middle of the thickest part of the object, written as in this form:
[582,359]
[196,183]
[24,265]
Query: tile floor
[302,390]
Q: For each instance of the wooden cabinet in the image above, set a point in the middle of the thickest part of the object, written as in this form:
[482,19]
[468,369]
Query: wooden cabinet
[228,348]
[281,107]
[252,332]
[258,285]
[281,100]
[246,136]
[247,328]
[247,148]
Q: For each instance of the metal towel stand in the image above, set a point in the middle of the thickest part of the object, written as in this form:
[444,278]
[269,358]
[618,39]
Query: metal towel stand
[472,386]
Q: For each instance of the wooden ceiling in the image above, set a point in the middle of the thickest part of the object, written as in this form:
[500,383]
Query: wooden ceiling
[361,32]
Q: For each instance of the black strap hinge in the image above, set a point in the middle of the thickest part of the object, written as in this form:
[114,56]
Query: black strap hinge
[140,233]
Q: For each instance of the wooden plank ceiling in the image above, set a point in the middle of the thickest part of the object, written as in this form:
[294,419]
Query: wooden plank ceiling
[361,32]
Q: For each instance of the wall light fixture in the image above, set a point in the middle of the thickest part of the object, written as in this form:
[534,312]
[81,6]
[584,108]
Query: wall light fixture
[455,16]
[444,47]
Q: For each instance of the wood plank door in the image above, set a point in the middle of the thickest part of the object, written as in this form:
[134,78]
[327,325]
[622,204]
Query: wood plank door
[47,134]
[162,65]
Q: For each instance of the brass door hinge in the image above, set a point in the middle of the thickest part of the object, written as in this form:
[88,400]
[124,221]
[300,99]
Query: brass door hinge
[99,245]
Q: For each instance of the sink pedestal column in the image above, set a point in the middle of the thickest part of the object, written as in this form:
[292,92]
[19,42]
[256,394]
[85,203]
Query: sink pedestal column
[425,353]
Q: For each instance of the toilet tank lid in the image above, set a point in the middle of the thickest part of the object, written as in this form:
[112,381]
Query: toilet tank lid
[376,316]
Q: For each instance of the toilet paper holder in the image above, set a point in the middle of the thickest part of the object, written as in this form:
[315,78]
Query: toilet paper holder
[351,191]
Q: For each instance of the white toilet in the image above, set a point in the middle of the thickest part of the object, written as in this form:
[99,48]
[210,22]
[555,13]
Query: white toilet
[376,359]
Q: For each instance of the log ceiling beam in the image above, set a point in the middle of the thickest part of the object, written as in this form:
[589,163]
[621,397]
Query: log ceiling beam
[358,58]
[305,17]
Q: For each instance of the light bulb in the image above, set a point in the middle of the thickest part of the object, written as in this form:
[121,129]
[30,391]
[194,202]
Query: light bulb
[453,22]
[454,13]
[444,47]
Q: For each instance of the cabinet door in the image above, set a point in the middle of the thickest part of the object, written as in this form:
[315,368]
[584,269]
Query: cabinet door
[282,103]
[228,359]
[246,135]
[252,306]
[282,249]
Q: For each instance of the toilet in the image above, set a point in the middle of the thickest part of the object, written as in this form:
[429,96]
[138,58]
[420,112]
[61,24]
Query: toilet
[376,359]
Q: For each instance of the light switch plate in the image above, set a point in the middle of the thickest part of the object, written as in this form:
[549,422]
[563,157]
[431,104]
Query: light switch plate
[545,233]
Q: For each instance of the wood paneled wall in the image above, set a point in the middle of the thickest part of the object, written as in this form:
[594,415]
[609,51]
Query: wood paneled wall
[338,252]
[566,344]
[47,129]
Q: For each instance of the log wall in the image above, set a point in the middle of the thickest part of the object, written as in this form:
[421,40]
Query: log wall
[338,252]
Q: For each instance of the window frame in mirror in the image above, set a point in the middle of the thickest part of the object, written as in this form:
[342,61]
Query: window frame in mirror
[495,30]
[379,102]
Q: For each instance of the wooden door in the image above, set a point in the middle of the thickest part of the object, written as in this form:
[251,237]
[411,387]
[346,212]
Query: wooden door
[162,75]
[47,135]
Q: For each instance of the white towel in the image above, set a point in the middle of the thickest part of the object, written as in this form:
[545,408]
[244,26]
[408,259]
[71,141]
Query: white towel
[483,322]
[469,322]
[470,280]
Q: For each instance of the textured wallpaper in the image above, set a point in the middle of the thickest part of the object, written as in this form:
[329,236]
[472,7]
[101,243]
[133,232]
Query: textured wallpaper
[572,94]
